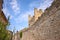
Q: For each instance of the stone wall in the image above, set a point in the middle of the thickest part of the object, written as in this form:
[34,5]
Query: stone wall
[16,36]
[3,18]
[47,27]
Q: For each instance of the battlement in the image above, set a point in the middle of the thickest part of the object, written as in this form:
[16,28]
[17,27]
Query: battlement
[33,19]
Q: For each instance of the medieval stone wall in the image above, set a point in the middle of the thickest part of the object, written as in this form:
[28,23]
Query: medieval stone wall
[47,27]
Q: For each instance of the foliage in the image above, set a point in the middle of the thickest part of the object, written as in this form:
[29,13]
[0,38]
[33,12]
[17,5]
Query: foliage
[21,34]
[3,32]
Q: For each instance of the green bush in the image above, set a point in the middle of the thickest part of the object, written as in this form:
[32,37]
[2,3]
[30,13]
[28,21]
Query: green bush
[3,32]
[20,34]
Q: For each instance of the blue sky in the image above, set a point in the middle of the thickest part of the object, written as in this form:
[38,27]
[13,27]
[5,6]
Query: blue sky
[18,10]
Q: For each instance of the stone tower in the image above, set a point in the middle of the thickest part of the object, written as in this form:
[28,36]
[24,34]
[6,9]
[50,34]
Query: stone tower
[37,14]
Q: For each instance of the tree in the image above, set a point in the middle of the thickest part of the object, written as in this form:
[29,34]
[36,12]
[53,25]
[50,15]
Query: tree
[4,35]
[2,31]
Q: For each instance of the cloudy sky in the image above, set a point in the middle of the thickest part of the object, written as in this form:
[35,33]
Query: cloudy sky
[18,10]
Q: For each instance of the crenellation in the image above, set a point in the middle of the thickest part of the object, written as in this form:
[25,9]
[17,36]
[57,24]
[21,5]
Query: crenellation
[37,14]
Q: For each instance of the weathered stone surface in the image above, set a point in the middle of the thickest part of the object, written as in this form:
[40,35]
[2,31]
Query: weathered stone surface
[47,27]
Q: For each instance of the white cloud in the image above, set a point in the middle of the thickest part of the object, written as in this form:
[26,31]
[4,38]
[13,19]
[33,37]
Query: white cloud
[6,12]
[43,5]
[23,17]
[15,7]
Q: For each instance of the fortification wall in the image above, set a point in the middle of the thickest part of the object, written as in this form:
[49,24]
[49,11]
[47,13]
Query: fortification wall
[47,27]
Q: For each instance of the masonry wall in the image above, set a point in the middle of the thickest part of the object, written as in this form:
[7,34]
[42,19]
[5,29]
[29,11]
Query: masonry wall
[47,27]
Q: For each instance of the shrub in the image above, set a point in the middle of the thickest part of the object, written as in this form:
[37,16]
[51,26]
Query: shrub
[21,34]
